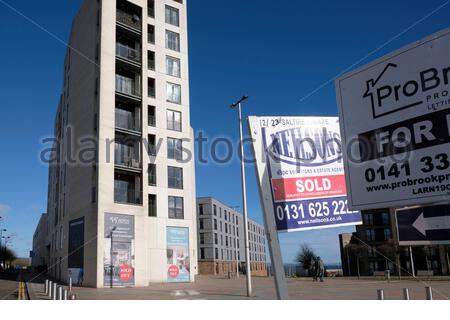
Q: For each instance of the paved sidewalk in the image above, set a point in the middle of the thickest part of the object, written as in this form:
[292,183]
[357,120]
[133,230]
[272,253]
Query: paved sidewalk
[210,288]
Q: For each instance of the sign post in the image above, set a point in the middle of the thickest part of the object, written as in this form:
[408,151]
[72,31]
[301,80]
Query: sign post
[269,216]
[301,179]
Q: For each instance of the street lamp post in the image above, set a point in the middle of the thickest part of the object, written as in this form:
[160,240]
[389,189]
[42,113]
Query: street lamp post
[236,243]
[111,253]
[244,197]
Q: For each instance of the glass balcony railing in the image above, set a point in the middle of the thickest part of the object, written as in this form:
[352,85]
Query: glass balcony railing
[130,20]
[126,195]
[126,120]
[127,86]
[128,53]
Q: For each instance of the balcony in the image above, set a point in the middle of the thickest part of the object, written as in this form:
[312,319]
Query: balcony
[127,121]
[125,195]
[127,153]
[129,20]
[127,53]
[127,86]
[127,188]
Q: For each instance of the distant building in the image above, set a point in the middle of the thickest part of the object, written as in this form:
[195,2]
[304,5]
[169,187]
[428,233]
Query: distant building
[221,243]
[376,244]
[41,252]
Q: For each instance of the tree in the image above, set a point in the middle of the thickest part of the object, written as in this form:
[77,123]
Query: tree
[391,252]
[358,250]
[7,256]
[306,257]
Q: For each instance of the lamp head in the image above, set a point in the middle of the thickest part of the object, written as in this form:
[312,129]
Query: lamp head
[242,99]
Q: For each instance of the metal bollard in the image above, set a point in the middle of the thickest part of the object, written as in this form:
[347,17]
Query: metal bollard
[70,284]
[380,294]
[429,293]
[46,287]
[406,293]
[54,291]
[65,294]
[60,293]
[50,286]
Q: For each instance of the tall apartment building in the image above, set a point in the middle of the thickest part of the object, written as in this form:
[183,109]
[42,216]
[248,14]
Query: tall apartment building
[121,201]
[221,243]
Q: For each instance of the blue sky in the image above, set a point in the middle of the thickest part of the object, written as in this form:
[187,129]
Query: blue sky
[275,51]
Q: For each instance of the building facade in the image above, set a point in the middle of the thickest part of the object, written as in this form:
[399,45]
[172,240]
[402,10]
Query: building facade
[374,248]
[121,200]
[221,245]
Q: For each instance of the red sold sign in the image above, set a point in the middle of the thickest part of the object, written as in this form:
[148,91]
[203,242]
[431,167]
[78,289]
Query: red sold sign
[173,271]
[125,273]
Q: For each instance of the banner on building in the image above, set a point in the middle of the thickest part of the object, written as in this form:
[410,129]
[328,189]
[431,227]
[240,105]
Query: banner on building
[299,161]
[118,262]
[178,260]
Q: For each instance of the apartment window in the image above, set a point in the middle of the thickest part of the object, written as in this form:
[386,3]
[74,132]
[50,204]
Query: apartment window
[387,234]
[152,205]
[220,226]
[173,92]
[151,34]
[202,238]
[173,67]
[175,177]
[215,210]
[215,224]
[151,116]
[370,235]
[151,60]
[176,208]
[216,253]
[172,16]
[226,228]
[151,8]
[172,41]
[216,239]
[151,87]
[368,219]
[385,218]
[202,253]
[152,174]
[175,149]
[174,120]
[201,224]
[201,209]
[152,145]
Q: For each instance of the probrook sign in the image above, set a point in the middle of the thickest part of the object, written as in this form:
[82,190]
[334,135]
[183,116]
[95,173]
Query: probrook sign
[395,120]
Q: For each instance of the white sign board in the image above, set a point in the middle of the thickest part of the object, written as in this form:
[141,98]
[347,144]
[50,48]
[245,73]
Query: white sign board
[299,161]
[395,121]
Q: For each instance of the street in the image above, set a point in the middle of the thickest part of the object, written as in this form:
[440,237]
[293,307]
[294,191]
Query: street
[9,285]
[210,288]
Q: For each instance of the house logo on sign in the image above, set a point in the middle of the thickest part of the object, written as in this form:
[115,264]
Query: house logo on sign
[388,95]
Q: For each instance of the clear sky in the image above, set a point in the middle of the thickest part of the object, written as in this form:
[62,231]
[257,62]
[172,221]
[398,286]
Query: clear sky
[276,51]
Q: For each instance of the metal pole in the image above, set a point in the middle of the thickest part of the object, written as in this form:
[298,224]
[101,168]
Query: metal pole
[236,252]
[406,293]
[70,284]
[429,292]
[65,294]
[46,287]
[244,204]
[111,283]
[50,287]
[60,293]
[380,293]
[412,261]
[54,291]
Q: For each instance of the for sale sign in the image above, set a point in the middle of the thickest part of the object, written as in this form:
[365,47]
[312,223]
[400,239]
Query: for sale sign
[395,120]
[299,161]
